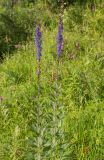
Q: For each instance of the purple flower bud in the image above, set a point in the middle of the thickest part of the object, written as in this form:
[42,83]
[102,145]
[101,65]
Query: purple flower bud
[38,42]
[60,37]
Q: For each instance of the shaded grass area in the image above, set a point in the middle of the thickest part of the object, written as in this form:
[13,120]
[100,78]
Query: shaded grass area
[81,94]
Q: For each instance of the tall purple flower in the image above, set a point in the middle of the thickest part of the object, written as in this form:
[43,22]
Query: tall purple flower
[60,37]
[38,42]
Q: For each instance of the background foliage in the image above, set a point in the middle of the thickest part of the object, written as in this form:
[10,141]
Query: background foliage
[80,87]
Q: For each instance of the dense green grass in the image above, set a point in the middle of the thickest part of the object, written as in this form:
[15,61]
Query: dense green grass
[78,94]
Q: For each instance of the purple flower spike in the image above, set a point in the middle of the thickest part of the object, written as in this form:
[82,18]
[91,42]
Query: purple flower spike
[38,42]
[60,37]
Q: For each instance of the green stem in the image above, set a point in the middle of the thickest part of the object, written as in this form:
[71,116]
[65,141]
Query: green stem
[39,128]
[55,118]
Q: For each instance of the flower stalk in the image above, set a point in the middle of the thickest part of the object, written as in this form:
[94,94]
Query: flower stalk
[38,44]
[56,109]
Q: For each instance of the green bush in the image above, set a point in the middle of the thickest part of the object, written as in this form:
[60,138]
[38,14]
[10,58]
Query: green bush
[18,25]
[15,27]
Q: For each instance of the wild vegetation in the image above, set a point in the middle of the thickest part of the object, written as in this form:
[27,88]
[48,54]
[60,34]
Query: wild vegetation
[58,112]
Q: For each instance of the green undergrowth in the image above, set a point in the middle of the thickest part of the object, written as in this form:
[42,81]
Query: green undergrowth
[80,90]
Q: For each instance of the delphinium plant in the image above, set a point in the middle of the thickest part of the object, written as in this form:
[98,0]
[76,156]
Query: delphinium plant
[39,135]
[38,43]
[56,132]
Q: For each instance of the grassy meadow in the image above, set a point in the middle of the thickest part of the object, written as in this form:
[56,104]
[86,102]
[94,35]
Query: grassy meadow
[66,121]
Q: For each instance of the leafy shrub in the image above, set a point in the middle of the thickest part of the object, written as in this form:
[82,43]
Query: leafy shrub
[17,26]
[14,29]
